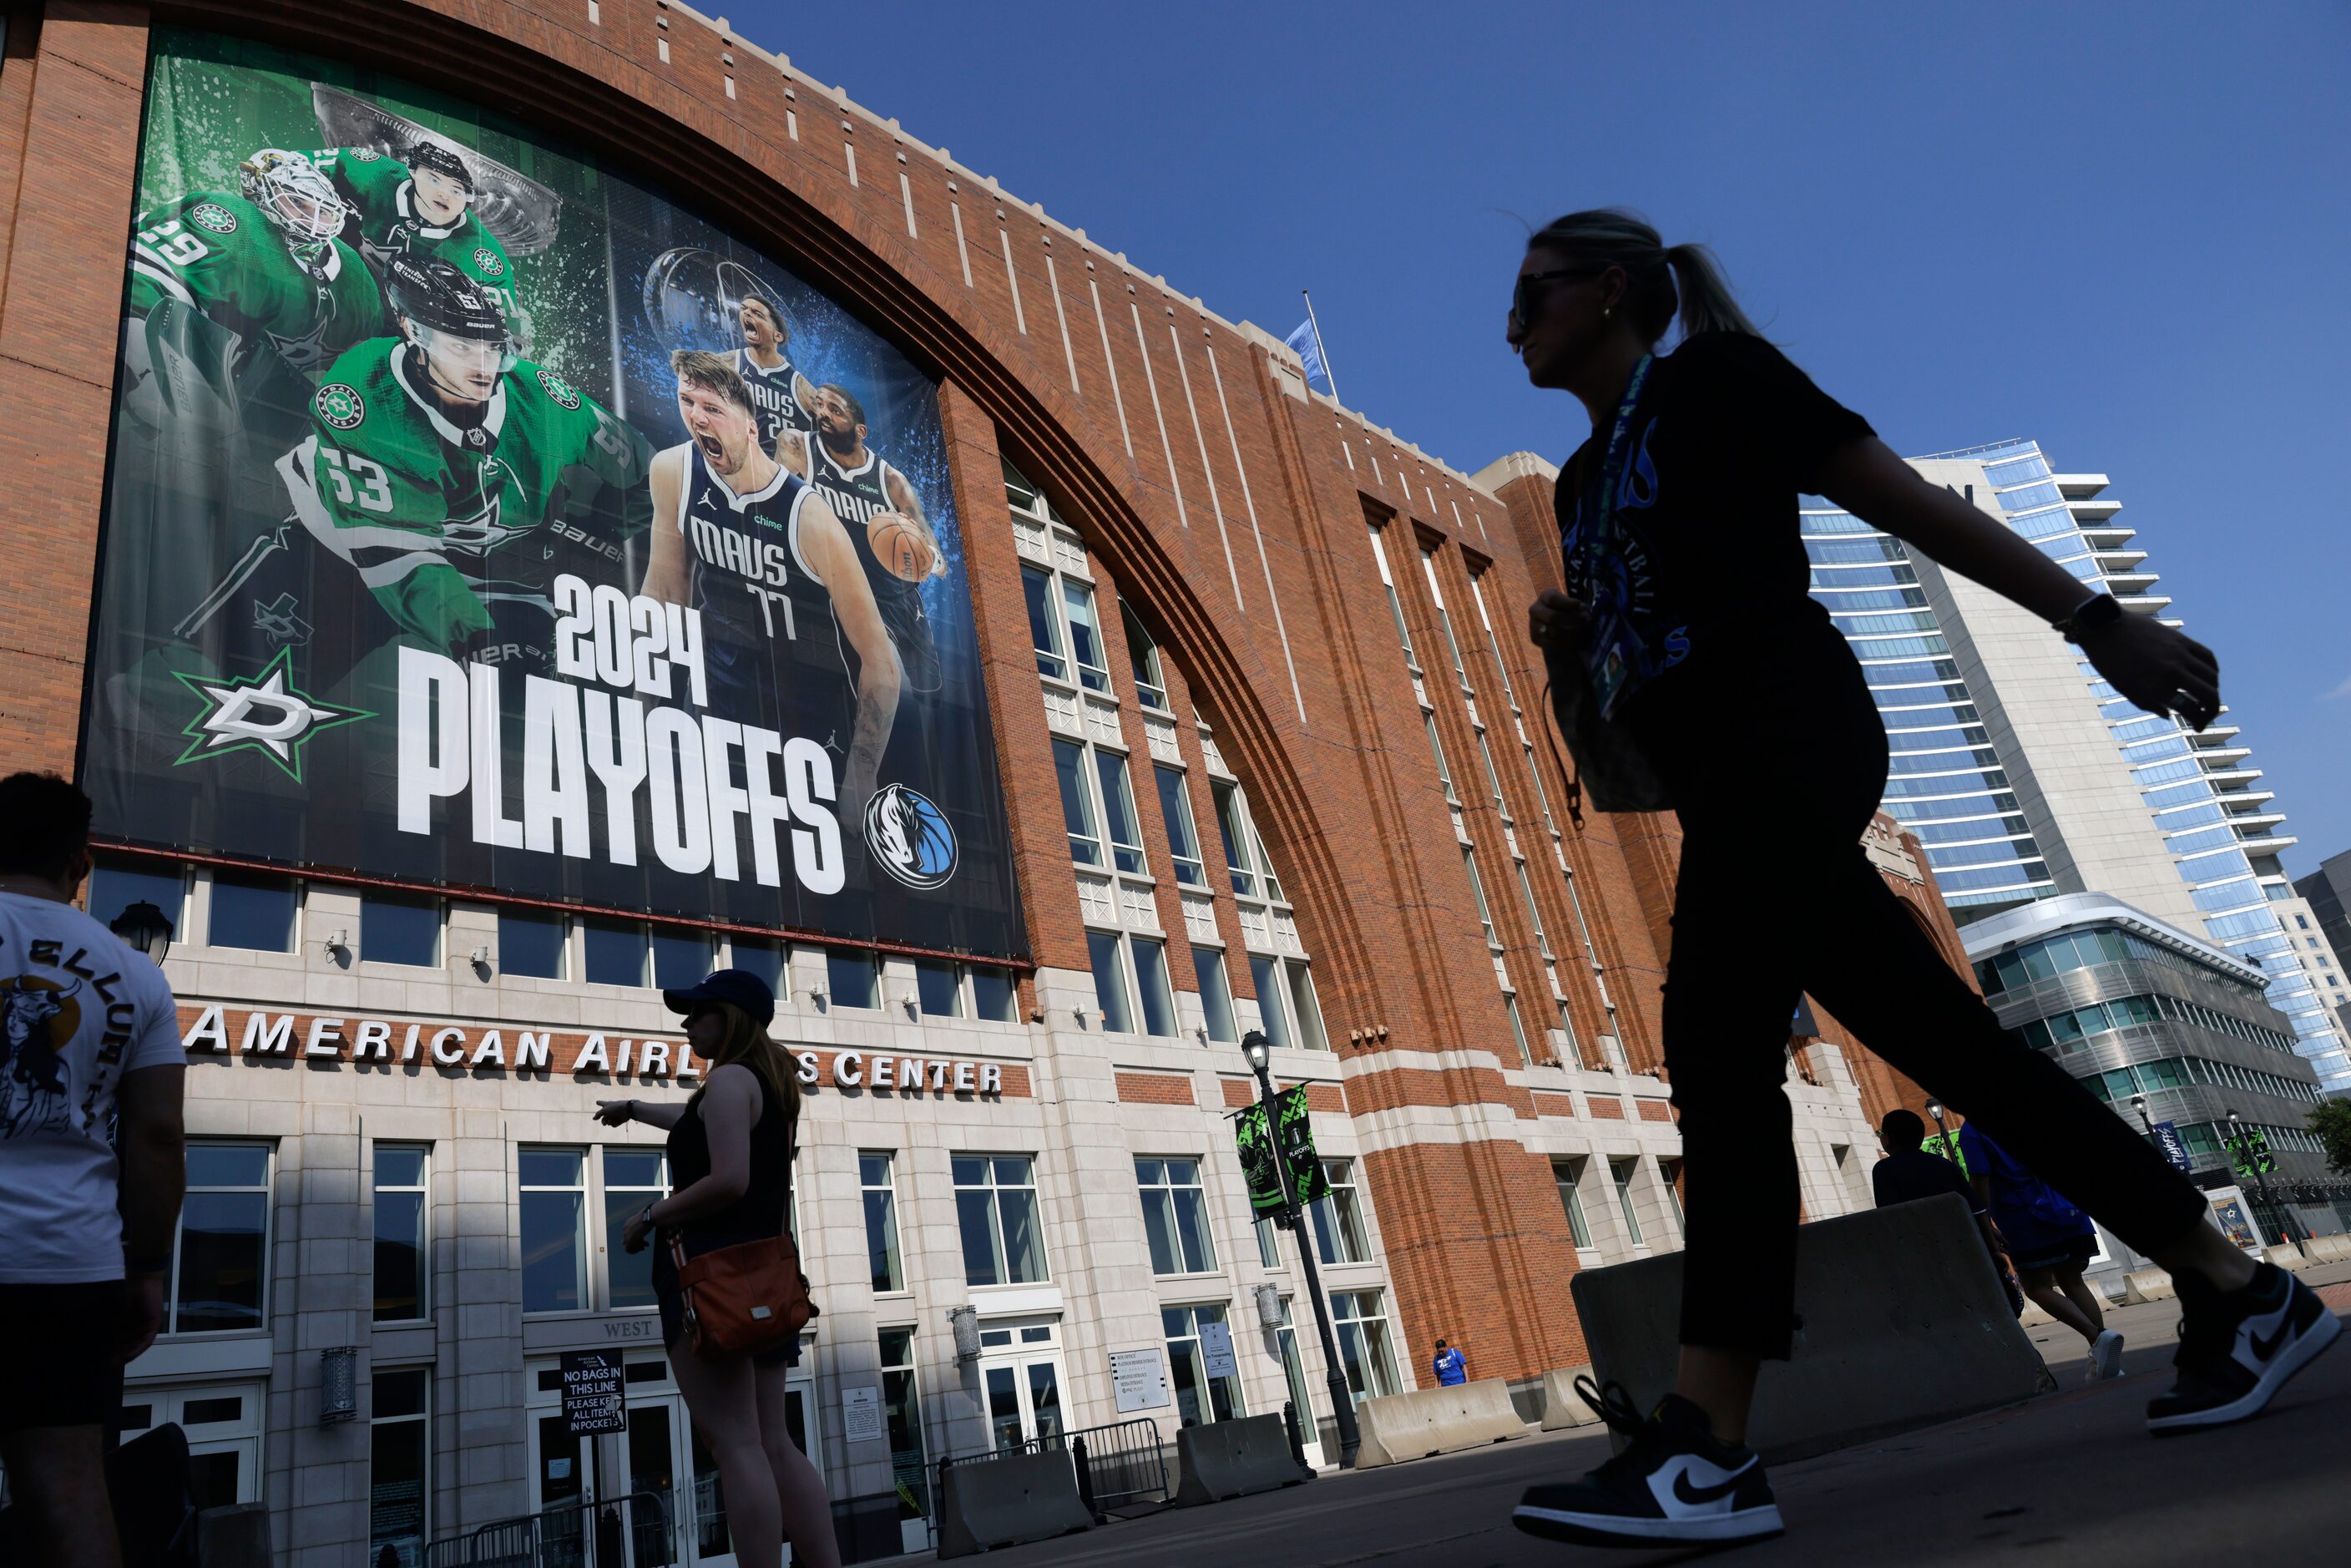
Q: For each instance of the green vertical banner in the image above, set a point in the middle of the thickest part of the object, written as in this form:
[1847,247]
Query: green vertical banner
[1296,1143]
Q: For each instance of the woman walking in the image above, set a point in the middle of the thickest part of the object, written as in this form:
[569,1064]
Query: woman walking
[730,1165]
[2050,1240]
[1693,672]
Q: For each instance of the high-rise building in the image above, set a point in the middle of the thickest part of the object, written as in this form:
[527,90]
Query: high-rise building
[2327,890]
[2025,774]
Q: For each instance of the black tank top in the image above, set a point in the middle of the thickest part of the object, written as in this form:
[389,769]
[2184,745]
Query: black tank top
[761,1210]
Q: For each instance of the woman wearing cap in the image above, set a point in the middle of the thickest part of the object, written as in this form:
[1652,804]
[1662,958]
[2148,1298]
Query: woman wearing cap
[1695,671]
[730,1165]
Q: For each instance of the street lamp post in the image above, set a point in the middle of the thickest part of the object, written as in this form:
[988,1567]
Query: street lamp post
[1942,1129]
[2243,1143]
[1342,1405]
[2138,1104]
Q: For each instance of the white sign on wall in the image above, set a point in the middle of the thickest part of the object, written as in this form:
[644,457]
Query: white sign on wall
[1217,1349]
[861,1414]
[1140,1379]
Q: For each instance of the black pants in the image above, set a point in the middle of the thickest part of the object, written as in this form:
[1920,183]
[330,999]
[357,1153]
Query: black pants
[1775,761]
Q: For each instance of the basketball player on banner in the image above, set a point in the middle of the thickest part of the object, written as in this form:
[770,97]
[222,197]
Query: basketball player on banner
[884,517]
[794,640]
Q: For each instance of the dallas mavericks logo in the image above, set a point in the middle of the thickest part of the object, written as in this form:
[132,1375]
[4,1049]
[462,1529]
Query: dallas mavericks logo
[910,837]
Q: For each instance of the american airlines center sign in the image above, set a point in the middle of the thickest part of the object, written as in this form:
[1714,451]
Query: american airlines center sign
[479,520]
[328,1041]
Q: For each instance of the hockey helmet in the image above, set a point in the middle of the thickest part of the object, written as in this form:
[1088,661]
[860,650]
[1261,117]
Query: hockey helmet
[292,194]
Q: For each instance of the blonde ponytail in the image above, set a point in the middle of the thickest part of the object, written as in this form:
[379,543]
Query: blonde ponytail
[1603,238]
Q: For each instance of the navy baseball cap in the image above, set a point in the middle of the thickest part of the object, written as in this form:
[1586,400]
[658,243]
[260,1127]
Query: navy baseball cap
[741,987]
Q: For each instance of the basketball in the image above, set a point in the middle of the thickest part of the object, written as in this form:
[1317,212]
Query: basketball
[900,546]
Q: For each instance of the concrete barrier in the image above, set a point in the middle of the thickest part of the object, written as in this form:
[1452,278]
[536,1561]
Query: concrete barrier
[1003,1502]
[2288,1257]
[1443,1420]
[1904,1325]
[2335,1249]
[1563,1406]
[1234,1458]
[2147,1285]
[234,1536]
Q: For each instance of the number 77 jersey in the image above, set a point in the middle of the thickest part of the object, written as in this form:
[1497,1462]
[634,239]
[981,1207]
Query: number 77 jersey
[458,518]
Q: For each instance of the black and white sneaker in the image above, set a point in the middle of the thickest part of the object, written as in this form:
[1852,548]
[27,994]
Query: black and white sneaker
[2239,1349]
[1673,1484]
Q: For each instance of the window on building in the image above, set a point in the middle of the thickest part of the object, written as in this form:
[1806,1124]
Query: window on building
[1444,621]
[1077,803]
[1266,975]
[1119,819]
[1044,625]
[1151,985]
[1478,891]
[400,1250]
[220,1266]
[530,944]
[1338,1217]
[1183,838]
[1493,644]
[394,929]
[1293,1370]
[875,1175]
[994,994]
[553,1213]
[681,958]
[1142,654]
[1305,1007]
[851,978]
[1534,914]
[939,989]
[1264,863]
[1568,1175]
[1395,605]
[614,952]
[1215,993]
[996,1209]
[1493,780]
[1670,1175]
[901,1410]
[1230,827]
[1269,1251]
[1621,1172]
[765,960]
[1360,1327]
[1517,1027]
[1111,990]
[1175,1216]
[1085,636]
[1200,1396]
[1437,750]
[400,1496]
[115,885]
[633,1177]
[256,913]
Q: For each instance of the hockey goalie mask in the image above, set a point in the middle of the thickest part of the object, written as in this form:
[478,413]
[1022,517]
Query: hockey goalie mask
[457,329]
[294,195]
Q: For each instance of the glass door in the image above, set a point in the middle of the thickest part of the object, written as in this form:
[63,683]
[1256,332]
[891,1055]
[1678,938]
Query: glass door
[223,1422]
[1020,1378]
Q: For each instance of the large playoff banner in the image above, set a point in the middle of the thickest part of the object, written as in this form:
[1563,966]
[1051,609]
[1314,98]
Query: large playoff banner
[480,519]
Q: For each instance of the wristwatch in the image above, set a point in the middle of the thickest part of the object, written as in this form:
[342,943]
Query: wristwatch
[2093,614]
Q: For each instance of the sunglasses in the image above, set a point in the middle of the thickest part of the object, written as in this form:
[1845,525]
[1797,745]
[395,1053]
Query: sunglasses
[1526,292]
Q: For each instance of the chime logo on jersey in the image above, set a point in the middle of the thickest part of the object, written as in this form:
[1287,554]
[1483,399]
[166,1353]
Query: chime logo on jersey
[214,216]
[265,713]
[910,838]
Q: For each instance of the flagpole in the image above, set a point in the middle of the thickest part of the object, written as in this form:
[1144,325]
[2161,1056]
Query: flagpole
[1319,346]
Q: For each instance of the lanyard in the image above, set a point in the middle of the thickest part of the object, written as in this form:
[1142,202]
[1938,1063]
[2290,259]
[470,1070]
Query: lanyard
[1612,468]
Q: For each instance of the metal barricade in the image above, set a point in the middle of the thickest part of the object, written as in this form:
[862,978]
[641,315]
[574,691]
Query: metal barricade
[1120,1464]
[632,1531]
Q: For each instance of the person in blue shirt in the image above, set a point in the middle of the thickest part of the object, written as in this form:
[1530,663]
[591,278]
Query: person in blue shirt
[1451,1365]
[2050,1238]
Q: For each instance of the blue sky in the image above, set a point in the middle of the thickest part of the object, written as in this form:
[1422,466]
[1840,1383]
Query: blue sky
[2120,230]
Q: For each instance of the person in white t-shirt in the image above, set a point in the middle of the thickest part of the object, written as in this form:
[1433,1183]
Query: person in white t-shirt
[92,1167]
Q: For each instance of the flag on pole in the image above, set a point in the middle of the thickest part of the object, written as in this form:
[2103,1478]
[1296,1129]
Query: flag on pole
[1309,345]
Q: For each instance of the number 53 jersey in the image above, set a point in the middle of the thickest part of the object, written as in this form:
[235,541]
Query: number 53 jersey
[458,526]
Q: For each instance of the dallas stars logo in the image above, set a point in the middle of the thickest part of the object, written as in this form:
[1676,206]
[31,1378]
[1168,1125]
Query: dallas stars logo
[265,713]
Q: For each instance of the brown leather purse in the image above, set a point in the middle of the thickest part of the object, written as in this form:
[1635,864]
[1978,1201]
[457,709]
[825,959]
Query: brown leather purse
[742,1298]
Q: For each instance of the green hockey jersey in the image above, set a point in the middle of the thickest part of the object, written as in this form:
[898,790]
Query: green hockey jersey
[220,255]
[381,189]
[459,530]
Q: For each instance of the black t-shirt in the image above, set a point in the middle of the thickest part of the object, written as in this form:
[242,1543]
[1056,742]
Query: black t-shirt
[1915,1174]
[1726,435]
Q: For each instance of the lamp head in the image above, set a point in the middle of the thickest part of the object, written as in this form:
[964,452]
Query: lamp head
[1935,1109]
[144,927]
[1254,1046]
[2138,1101]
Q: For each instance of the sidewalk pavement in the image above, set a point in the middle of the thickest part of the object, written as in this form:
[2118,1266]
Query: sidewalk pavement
[2069,1474]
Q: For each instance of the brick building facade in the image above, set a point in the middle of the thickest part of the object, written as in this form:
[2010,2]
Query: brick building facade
[1469,984]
